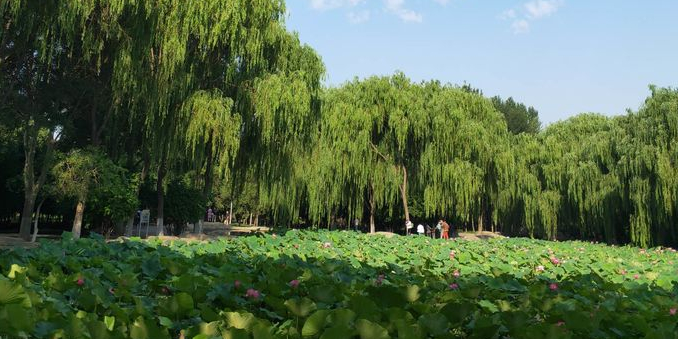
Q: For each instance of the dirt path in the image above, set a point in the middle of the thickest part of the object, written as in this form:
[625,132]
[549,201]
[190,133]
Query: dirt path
[462,235]
[14,240]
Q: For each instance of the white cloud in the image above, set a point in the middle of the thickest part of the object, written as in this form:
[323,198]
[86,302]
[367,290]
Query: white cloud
[407,15]
[442,2]
[331,4]
[542,8]
[523,16]
[508,14]
[358,17]
[520,26]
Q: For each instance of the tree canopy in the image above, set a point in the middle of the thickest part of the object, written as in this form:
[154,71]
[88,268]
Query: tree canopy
[216,102]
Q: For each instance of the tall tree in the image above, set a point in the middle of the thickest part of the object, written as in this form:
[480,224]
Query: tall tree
[519,118]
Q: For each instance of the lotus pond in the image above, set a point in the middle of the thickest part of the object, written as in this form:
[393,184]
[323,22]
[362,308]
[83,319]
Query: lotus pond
[337,285]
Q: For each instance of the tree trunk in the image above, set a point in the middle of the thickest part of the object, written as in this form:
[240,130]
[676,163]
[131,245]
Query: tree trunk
[77,221]
[403,195]
[480,221]
[95,131]
[31,186]
[161,198]
[30,191]
[256,220]
[230,214]
[249,222]
[373,227]
[209,168]
[29,202]
[35,223]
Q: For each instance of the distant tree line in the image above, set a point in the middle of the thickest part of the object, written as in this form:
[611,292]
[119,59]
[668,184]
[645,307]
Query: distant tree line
[109,106]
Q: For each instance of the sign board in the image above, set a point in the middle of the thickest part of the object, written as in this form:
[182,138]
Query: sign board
[145,217]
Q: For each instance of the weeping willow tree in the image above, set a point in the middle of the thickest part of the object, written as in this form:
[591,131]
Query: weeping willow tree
[201,78]
[385,138]
[369,145]
[350,170]
[463,154]
[647,168]
[595,177]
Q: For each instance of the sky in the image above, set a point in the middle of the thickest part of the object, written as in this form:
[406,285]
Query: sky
[564,57]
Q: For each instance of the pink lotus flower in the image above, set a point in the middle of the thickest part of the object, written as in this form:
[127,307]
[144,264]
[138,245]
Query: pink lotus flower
[456,273]
[555,261]
[635,276]
[236,284]
[80,282]
[452,254]
[296,246]
[672,311]
[553,286]
[294,283]
[327,245]
[454,286]
[560,323]
[623,272]
[540,268]
[252,293]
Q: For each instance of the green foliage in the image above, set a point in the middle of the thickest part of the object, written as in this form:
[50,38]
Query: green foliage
[91,177]
[362,286]
[221,92]
[519,118]
[184,204]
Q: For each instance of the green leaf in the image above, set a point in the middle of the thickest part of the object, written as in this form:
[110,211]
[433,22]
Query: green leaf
[369,330]
[262,330]
[412,293]
[339,331]
[20,317]
[110,323]
[456,312]
[166,322]
[243,321]
[13,293]
[343,317]
[488,305]
[235,333]
[315,323]
[300,307]
[97,329]
[15,270]
[147,329]
[435,324]
[185,301]
[365,308]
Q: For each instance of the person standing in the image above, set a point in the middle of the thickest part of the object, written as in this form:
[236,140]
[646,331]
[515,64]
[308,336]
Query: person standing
[439,229]
[420,229]
[446,230]
[408,226]
[429,231]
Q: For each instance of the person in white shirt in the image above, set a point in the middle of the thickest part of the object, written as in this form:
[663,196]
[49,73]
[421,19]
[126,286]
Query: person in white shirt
[420,229]
[408,226]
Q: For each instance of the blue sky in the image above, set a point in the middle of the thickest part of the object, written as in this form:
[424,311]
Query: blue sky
[563,57]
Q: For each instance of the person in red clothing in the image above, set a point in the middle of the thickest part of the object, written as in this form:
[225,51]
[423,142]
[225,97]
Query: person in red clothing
[446,230]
